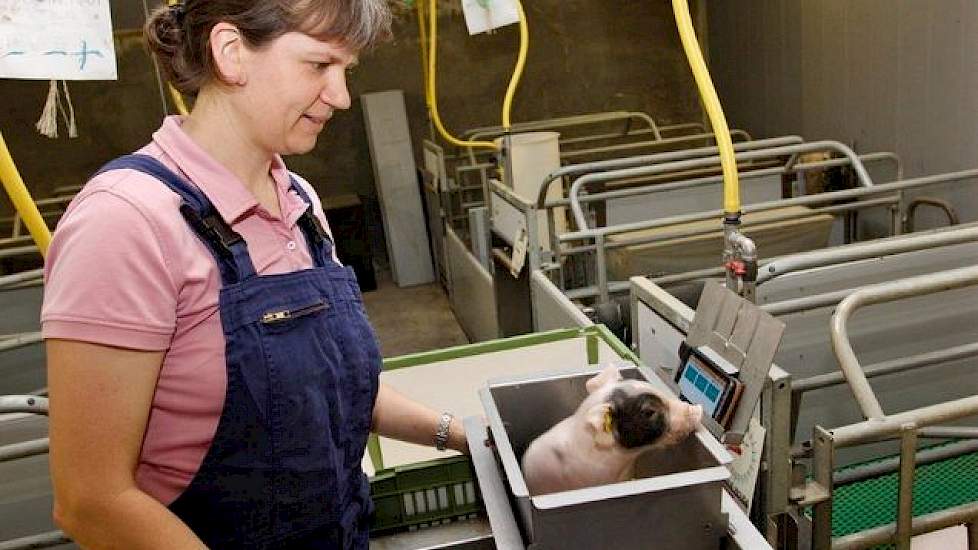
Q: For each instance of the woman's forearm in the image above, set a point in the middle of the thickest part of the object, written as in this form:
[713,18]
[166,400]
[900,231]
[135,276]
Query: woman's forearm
[399,417]
[131,519]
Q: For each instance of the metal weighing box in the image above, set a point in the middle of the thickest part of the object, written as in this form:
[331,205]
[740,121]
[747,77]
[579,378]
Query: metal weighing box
[674,501]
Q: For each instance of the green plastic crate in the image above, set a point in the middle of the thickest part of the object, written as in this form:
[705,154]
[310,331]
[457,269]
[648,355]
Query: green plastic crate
[430,493]
[415,496]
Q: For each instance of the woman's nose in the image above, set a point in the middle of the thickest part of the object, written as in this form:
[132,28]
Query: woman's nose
[335,93]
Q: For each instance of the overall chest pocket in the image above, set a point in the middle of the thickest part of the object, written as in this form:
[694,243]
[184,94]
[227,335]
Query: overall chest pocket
[292,384]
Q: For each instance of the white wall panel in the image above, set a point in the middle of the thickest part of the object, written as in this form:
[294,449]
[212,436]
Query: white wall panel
[897,75]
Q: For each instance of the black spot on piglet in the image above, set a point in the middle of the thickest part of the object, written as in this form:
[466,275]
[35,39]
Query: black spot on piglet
[637,420]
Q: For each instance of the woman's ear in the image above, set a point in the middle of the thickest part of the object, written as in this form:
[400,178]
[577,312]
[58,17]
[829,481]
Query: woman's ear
[228,51]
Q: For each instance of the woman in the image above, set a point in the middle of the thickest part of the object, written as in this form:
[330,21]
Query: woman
[212,374]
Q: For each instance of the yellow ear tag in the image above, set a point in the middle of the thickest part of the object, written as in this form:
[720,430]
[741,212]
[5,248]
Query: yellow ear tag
[607,422]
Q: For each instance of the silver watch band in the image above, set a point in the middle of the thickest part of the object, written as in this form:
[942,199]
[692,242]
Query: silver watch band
[441,434]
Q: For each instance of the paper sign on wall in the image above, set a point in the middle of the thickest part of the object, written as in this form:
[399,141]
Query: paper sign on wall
[56,39]
[484,15]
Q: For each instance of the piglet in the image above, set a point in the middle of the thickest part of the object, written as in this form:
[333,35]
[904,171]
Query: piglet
[600,442]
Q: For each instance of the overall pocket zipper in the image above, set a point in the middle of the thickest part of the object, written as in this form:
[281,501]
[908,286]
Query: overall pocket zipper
[287,314]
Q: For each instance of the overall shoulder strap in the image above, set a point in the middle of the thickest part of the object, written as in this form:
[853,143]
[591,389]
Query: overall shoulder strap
[320,244]
[228,248]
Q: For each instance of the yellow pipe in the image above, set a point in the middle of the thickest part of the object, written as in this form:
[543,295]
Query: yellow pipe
[174,93]
[177,100]
[731,185]
[520,64]
[423,45]
[22,200]
[431,95]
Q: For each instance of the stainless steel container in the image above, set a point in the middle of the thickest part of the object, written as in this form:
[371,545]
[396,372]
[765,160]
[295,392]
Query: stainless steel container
[675,499]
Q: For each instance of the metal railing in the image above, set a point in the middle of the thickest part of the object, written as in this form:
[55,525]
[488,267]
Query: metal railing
[30,404]
[874,196]
[792,151]
[879,426]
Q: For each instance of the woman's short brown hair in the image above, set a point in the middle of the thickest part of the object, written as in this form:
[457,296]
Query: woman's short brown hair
[179,35]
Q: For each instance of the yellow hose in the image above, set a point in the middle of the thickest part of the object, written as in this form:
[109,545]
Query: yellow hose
[22,200]
[431,95]
[174,93]
[177,100]
[731,185]
[520,64]
[423,45]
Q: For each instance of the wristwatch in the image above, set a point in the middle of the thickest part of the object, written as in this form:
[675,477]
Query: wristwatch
[441,434]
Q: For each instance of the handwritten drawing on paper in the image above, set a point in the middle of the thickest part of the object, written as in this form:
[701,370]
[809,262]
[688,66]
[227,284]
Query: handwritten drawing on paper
[56,39]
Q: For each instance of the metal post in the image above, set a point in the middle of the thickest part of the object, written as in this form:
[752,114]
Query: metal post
[480,236]
[601,267]
[908,447]
[775,473]
[591,345]
[824,464]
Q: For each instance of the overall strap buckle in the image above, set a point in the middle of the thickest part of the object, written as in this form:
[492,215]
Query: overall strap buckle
[213,228]
[312,226]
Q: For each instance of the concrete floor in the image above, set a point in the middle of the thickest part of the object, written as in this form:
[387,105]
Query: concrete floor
[411,320]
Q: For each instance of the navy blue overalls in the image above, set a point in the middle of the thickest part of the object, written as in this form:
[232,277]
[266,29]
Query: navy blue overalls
[283,470]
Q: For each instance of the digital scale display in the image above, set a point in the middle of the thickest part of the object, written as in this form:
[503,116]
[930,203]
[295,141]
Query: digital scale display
[701,382]
[700,386]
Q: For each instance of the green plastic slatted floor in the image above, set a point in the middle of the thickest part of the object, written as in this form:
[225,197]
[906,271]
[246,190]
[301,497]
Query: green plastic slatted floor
[872,502]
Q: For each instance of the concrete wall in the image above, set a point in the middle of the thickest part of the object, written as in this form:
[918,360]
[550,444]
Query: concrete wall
[896,75]
[585,56]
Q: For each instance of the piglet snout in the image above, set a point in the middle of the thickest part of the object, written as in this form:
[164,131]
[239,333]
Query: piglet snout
[684,419]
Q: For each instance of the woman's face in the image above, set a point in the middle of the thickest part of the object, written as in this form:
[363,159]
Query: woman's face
[293,86]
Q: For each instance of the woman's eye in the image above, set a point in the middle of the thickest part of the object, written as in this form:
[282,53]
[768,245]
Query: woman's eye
[320,65]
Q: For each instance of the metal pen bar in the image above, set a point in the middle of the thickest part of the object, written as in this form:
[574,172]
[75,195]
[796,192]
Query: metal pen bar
[681,233]
[847,194]
[861,173]
[964,514]
[23,449]
[807,303]
[659,187]
[689,276]
[653,143]
[21,277]
[747,228]
[9,342]
[33,542]
[32,404]
[695,126]
[631,162]
[891,464]
[18,251]
[889,367]
[830,259]
[950,432]
[882,247]
[888,426]
[944,205]
[881,293]
[561,122]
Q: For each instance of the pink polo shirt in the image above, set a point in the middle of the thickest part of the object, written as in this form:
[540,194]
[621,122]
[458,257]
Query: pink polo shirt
[124,269]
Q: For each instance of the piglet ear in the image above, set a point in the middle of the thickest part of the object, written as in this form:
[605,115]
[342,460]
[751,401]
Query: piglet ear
[598,421]
[607,375]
